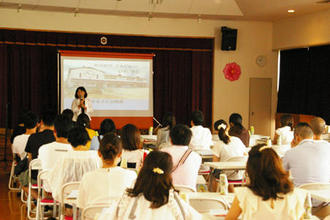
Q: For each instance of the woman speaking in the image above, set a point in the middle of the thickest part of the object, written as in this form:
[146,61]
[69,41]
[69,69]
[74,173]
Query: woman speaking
[81,104]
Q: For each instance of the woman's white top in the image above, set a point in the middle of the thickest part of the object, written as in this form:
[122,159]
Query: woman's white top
[235,148]
[291,207]
[286,135]
[201,138]
[77,111]
[163,136]
[104,185]
[127,207]
[134,156]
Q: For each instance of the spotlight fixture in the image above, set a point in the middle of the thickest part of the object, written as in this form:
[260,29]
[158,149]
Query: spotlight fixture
[149,16]
[291,11]
[76,11]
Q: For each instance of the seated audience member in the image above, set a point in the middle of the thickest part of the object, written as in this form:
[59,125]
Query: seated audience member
[186,162]
[308,160]
[285,131]
[44,136]
[269,193]
[50,153]
[84,122]
[201,137]
[19,129]
[227,148]
[20,141]
[318,127]
[163,134]
[73,164]
[78,138]
[153,195]
[69,114]
[237,129]
[109,182]
[132,147]
[107,126]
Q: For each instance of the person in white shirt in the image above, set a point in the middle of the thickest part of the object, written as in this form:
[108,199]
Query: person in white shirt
[133,153]
[50,153]
[318,127]
[201,136]
[308,160]
[19,143]
[226,148]
[186,162]
[81,104]
[285,132]
[269,193]
[106,184]
[153,195]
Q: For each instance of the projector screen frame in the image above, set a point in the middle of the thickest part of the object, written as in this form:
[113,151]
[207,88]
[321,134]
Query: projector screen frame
[99,55]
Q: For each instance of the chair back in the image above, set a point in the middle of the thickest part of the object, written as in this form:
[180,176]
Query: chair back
[66,190]
[315,186]
[206,205]
[237,159]
[91,212]
[184,188]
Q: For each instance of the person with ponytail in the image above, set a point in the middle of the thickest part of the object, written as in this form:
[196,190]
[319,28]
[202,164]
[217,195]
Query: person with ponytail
[224,149]
[269,193]
[228,146]
[238,130]
[153,195]
[106,184]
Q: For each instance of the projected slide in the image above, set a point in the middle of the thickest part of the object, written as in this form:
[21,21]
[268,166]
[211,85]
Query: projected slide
[115,86]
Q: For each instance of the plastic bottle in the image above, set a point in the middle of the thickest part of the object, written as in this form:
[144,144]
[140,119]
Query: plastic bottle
[151,130]
[223,184]
[269,142]
[279,140]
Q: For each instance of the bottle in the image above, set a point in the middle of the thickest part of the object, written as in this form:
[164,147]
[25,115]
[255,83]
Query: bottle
[269,142]
[150,130]
[308,207]
[123,163]
[223,184]
[252,130]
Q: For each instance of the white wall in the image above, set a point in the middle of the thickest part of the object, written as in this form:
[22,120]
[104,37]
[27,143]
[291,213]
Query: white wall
[302,31]
[254,38]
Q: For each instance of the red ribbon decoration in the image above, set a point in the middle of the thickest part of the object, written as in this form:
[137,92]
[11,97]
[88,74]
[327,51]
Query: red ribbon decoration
[232,71]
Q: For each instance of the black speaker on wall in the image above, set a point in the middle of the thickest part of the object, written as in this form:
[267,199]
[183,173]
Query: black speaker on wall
[229,38]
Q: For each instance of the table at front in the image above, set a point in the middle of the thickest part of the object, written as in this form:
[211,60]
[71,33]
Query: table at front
[239,165]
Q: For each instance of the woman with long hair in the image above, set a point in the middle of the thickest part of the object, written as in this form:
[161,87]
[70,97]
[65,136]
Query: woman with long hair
[163,134]
[237,129]
[83,121]
[269,194]
[107,126]
[153,195]
[133,153]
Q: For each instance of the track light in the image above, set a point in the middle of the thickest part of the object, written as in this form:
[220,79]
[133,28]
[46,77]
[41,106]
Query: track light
[19,8]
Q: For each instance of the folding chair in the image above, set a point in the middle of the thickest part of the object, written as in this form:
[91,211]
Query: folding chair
[12,178]
[184,188]
[34,165]
[65,192]
[42,200]
[91,212]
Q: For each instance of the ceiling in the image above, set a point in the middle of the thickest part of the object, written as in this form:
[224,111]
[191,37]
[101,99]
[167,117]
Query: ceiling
[263,10]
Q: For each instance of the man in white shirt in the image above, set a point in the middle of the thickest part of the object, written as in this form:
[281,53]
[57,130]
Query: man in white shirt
[318,127]
[50,153]
[308,160]
[19,143]
[201,137]
[186,163]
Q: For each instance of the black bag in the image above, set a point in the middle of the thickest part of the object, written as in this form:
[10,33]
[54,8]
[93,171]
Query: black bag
[21,166]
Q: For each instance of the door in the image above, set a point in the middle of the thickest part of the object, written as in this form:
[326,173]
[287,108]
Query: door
[260,105]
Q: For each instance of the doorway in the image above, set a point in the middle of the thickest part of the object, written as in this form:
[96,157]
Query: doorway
[260,105]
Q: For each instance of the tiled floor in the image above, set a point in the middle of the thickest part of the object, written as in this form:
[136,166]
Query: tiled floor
[11,207]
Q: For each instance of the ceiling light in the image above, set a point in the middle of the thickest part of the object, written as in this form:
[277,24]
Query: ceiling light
[291,11]
[149,16]
[199,19]
[19,8]
[76,11]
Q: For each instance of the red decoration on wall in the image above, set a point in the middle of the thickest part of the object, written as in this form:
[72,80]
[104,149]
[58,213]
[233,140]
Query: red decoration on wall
[232,71]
